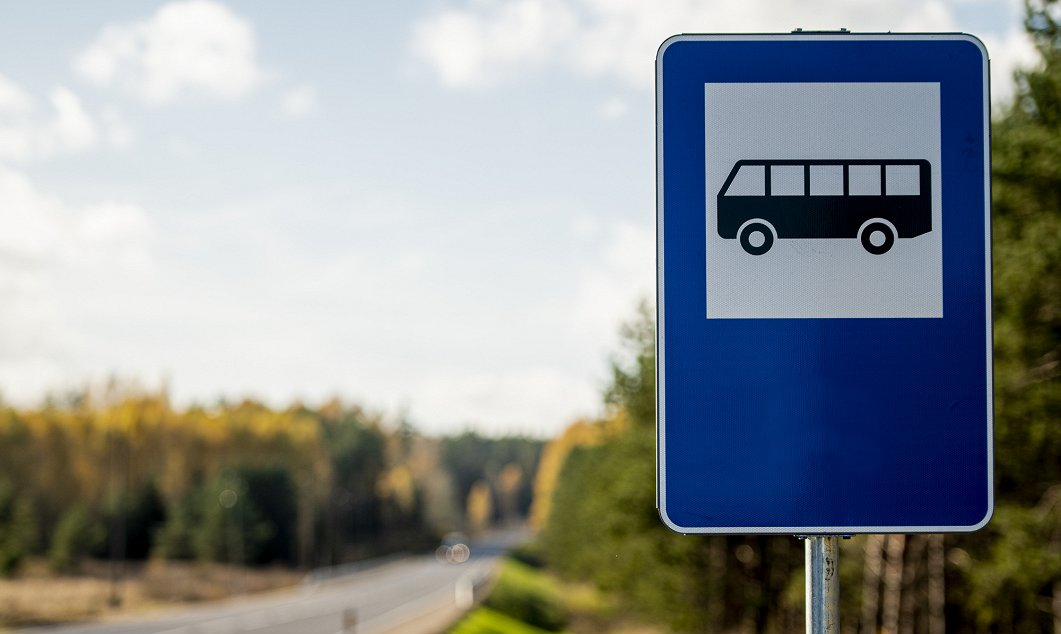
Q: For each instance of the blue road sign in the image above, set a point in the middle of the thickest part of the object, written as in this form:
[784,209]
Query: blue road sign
[824,285]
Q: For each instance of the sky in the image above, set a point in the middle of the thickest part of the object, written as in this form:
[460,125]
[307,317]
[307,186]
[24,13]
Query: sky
[439,209]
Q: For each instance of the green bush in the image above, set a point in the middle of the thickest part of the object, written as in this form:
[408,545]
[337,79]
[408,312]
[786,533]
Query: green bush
[527,595]
[221,521]
[487,621]
[76,536]
[236,533]
[529,553]
[175,539]
[18,529]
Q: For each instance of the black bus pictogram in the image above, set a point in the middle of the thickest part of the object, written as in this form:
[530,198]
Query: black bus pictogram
[875,201]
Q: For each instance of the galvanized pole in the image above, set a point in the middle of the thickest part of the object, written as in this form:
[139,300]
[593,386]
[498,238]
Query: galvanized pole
[823,584]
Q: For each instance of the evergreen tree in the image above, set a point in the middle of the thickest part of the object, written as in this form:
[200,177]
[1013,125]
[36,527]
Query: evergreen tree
[1017,570]
[77,536]
[18,529]
[232,529]
[1027,267]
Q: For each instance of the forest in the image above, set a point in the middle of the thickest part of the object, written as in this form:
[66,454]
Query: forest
[123,475]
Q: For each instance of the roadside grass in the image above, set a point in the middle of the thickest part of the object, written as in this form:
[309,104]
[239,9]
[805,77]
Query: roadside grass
[527,594]
[528,599]
[37,596]
[486,621]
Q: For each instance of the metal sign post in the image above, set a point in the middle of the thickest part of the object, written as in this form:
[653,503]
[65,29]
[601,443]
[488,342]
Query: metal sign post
[823,584]
[823,251]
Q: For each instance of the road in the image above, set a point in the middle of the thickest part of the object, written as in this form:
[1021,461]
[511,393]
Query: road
[412,595]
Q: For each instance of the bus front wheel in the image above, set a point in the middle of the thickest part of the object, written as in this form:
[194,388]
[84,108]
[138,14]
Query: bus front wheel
[877,237]
[756,237]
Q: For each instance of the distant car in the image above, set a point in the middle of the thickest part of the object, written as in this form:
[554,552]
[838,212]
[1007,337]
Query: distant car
[453,550]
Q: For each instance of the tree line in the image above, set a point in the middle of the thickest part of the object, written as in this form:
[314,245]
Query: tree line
[125,475]
[596,497]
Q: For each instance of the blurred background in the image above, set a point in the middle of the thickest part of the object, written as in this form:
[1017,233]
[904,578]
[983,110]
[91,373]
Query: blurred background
[285,286]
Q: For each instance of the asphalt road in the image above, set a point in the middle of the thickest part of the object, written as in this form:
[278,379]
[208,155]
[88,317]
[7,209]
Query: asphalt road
[413,595]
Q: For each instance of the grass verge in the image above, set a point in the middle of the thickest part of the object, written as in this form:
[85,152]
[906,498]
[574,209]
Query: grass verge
[528,599]
[38,596]
[486,621]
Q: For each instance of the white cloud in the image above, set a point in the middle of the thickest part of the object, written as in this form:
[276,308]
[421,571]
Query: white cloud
[533,400]
[72,129]
[30,220]
[116,130]
[478,46]
[614,108]
[609,287]
[50,251]
[13,99]
[299,102]
[190,48]
[112,234]
[484,42]
[27,134]
[41,231]
[1009,53]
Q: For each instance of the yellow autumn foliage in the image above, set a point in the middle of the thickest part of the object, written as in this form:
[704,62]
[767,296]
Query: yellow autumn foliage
[581,433]
[73,453]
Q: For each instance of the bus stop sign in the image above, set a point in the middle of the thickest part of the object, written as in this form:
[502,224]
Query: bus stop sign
[824,283]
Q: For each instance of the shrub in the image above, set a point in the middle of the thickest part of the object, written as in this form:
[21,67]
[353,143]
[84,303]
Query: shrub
[529,553]
[487,621]
[18,529]
[528,596]
[76,536]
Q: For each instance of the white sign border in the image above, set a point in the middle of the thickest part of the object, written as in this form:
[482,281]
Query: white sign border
[661,453]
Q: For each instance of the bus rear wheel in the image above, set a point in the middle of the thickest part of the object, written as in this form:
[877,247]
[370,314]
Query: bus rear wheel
[756,237]
[877,237]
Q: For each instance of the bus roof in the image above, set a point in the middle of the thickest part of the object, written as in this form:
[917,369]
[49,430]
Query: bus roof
[769,162]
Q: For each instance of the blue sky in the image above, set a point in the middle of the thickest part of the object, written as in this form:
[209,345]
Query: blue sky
[442,208]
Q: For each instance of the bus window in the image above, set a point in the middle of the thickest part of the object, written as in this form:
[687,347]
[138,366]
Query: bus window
[826,180]
[902,180]
[750,180]
[786,180]
[863,180]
